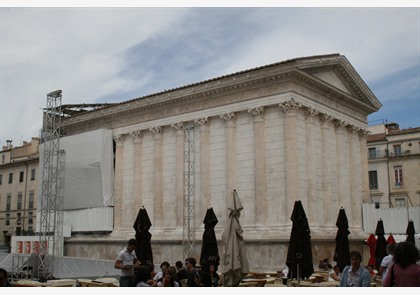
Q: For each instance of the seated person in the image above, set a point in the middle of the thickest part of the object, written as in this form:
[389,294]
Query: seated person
[324,264]
[335,274]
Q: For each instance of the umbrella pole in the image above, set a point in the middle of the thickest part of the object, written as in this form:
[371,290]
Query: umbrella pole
[298,274]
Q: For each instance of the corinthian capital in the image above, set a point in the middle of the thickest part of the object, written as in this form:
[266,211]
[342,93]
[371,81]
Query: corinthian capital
[228,116]
[310,112]
[136,134]
[119,140]
[178,125]
[363,133]
[156,130]
[324,118]
[339,124]
[257,111]
[204,121]
[290,106]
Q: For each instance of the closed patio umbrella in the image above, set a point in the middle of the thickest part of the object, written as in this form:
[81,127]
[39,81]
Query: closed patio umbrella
[234,260]
[209,250]
[342,248]
[410,231]
[143,237]
[390,239]
[381,243]
[371,241]
[299,253]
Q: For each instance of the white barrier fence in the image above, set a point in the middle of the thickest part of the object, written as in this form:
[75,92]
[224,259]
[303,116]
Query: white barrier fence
[395,220]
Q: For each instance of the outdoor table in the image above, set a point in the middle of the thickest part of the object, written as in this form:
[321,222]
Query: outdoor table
[262,275]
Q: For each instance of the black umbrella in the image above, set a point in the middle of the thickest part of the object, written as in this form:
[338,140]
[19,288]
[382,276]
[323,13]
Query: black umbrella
[143,237]
[381,243]
[299,253]
[209,250]
[410,232]
[342,248]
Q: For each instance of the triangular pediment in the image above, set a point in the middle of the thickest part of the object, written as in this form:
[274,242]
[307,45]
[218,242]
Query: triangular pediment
[338,73]
[332,79]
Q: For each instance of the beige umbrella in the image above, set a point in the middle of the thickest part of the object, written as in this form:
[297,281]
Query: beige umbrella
[234,260]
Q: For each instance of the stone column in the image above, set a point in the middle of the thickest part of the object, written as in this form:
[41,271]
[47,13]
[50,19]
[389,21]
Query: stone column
[158,177]
[230,152]
[119,169]
[205,198]
[291,161]
[340,150]
[354,173]
[179,177]
[260,165]
[365,192]
[313,199]
[326,210]
[138,157]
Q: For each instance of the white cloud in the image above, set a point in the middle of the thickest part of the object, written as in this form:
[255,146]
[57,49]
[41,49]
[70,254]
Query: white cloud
[97,53]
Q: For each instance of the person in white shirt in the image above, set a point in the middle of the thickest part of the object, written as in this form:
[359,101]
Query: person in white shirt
[387,260]
[127,261]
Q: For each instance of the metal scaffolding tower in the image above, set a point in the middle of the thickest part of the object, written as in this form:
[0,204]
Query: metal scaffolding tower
[188,230]
[52,194]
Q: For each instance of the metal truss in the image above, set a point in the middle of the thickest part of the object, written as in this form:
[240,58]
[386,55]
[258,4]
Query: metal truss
[189,191]
[52,194]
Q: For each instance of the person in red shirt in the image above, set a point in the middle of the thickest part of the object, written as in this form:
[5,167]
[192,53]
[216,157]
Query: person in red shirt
[404,272]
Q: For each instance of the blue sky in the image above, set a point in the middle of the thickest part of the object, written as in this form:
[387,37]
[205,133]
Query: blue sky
[116,54]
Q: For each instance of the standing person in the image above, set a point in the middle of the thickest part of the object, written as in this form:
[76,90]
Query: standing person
[355,275]
[387,260]
[4,280]
[126,261]
[404,272]
[190,266]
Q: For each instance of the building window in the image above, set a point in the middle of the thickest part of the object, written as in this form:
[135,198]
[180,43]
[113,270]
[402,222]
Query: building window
[8,202]
[397,150]
[33,174]
[10,177]
[400,203]
[3,159]
[372,153]
[21,174]
[373,180]
[30,218]
[398,176]
[19,219]
[1,179]
[31,200]
[19,201]
[7,219]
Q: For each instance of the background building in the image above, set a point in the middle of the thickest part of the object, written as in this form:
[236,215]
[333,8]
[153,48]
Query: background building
[19,176]
[394,166]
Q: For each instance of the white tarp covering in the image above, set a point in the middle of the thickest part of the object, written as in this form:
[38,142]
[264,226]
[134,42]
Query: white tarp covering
[89,172]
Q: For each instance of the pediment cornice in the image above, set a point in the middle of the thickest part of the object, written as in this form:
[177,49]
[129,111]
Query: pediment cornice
[239,83]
